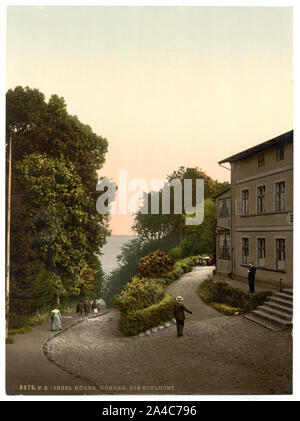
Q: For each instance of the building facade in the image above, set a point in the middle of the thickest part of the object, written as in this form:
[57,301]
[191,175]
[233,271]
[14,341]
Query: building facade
[260,225]
[223,236]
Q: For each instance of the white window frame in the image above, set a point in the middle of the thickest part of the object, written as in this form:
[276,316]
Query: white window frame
[242,190]
[248,238]
[259,264]
[285,252]
[228,207]
[277,150]
[265,198]
[227,234]
[261,163]
[285,195]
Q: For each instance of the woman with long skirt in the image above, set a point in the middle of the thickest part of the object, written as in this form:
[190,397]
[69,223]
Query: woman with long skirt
[55,319]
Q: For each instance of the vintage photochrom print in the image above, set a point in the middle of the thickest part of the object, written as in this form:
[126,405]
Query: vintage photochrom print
[149,200]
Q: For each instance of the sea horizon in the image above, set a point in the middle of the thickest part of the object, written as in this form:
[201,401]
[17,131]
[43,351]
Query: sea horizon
[112,249]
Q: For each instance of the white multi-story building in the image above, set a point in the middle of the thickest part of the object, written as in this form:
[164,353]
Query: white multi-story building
[255,216]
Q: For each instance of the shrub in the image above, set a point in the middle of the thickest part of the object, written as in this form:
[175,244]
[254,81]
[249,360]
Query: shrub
[176,252]
[221,293]
[155,264]
[181,267]
[138,294]
[134,322]
[143,302]
[226,309]
[131,253]
[21,330]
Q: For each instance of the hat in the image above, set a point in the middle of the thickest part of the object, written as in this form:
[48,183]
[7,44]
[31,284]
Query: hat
[179,298]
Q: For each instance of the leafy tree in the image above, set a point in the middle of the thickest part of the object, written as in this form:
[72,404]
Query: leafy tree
[200,239]
[35,125]
[58,212]
[158,225]
[56,231]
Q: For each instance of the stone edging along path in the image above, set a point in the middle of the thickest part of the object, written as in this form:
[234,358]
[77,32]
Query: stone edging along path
[148,332]
[157,328]
[52,360]
[63,368]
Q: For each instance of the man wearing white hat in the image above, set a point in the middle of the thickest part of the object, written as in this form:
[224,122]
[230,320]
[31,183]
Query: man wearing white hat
[179,315]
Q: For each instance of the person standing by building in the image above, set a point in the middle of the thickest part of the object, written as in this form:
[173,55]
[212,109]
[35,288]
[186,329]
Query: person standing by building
[179,315]
[251,277]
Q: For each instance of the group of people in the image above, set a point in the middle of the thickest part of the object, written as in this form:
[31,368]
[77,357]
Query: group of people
[179,308]
[81,308]
[87,307]
[205,261]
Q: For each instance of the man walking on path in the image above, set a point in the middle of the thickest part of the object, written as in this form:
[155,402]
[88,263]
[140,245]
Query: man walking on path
[179,315]
[251,277]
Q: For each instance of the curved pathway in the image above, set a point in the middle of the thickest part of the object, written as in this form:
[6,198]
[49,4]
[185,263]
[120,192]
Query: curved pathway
[217,354]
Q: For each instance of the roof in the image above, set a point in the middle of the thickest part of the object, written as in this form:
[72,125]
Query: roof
[222,192]
[284,138]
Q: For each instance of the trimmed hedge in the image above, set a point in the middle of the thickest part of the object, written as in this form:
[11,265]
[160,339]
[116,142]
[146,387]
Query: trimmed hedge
[144,303]
[220,292]
[134,322]
[181,267]
[139,294]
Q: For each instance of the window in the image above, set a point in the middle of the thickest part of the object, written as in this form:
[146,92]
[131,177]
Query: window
[224,246]
[280,196]
[245,251]
[280,253]
[245,202]
[261,159]
[224,208]
[280,153]
[261,251]
[261,196]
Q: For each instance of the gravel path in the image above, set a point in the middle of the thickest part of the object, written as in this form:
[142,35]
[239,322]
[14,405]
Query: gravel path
[217,354]
[29,372]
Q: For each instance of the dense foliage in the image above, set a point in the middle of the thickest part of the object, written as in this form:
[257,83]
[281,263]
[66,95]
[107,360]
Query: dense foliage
[131,253]
[155,264]
[134,322]
[144,302]
[222,296]
[149,225]
[138,294]
[56,231]
[199,239]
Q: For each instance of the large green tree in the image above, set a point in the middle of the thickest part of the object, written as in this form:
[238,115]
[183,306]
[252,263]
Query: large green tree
[200,239]
[149,225]
[35,125]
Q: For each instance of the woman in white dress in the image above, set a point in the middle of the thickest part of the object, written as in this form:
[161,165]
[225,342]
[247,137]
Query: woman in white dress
[55,319]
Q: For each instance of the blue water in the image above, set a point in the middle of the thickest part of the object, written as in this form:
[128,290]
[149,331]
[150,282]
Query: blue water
[111,250]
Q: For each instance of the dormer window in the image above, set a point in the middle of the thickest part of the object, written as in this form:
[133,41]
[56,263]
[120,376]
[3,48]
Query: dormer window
[261,159]
[280,153]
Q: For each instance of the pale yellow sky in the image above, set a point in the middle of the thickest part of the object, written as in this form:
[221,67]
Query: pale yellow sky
[167,86]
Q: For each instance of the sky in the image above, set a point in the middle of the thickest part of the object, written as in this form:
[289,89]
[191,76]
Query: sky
[166,86]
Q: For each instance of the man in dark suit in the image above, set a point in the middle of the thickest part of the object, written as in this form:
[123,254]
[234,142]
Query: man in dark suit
[179,315]
[251,277]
